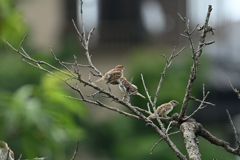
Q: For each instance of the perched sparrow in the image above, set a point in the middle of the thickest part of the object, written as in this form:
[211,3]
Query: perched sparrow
[4,150]
[113,75]
[164,109]
[128,88]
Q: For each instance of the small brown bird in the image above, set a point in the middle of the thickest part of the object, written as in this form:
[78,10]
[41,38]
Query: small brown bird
[5,151]
[113,75]
[128,88]
[164,109]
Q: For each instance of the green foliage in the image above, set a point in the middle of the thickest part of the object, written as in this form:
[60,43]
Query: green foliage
[40,121]
[12,25]
[15,73]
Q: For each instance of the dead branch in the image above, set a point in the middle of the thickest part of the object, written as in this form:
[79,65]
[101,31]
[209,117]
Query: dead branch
[144,85]
[85,42]
[20,157]
[75,151]
[168,63]
[199,108]
[234,89]
[200,131]
[196,56]
[198,100]
[143,110]
[161,140]
[234,129]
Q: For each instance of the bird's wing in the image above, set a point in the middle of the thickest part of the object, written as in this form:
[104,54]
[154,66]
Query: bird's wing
[163,108]
[12,154]
[152,116]
[105,76]
[132,88]
[114,76]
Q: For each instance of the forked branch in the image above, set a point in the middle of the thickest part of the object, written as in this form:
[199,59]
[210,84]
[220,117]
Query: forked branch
[196,56]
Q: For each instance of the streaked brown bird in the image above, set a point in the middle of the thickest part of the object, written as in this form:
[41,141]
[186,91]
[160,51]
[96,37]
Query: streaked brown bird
[5,152]
[128,88]
[164,109]
[113,75]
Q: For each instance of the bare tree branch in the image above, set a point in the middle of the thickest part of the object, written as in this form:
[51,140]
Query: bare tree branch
[75,151]
[20,157]
[196,57]
[234,89]
[198,100]
[143,110]
[191,142]
[144,85]
[161,140]
[168,63]
[214,140]
[155,145]
[199,108]
[234,129]
[85,43]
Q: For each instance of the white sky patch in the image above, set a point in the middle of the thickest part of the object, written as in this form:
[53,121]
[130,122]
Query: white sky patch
[223,11]
[233,7]
[90,13]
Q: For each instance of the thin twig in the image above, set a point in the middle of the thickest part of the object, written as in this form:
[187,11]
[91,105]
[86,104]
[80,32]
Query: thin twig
[85,42]
[58,60]
[80,65]
[198,100]
[168,62]
[234,129]
[169,126]
[155,145]
[149,110]
[20,157]
[94,94]
[143,110]
[199,107]
[234,89]
[144,85]
[161,140]
[20,45]
[194,29]
[38,63]
[203,90]
[117,110]
[75,151]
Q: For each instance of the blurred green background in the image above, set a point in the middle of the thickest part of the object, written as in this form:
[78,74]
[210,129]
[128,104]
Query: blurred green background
[37,120]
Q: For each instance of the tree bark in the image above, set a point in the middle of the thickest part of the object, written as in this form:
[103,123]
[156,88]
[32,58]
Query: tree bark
[188,130]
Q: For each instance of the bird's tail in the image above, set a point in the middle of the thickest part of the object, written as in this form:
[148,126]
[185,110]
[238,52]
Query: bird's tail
[140,95]
[99,79]
[152,116]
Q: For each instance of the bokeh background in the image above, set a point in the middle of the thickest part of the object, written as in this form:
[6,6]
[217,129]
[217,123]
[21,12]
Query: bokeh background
[36,120]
